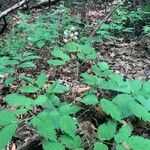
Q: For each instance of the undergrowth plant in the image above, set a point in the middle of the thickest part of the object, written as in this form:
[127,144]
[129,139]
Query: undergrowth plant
[57,121]
[10,65]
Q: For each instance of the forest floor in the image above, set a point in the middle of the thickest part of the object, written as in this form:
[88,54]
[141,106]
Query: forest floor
[131,58]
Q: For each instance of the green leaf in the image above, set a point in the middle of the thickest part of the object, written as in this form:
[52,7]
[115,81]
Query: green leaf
[120,147]
[103,66]
[9,81]
[57,88]
[122,102]
[19,100]
[54,99]
[72,47]
[110,108]
[123,134]
[69,142]
[90,79]
[107,130]
[146,87]
[40,43]
[28,58]
[27,79]
[56,62]
[136,85]
[41,79]
[6,135]
[29,89]
[21,111]
[28,64]
[144,102]
[68,125]
[60,54]
[44,125]
[47,145]
[90,99]
[138,143]
[66,109]
[7,117]
[140,111]
[40,100]
[100,146]
[7,70]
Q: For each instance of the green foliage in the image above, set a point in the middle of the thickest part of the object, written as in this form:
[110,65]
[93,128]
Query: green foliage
[125,104]
[6,134]
[100,146]
[90,99]
[107,131]
[84,52]
[57,122]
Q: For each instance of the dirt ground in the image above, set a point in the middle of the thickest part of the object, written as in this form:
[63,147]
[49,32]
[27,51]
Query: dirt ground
[131,59]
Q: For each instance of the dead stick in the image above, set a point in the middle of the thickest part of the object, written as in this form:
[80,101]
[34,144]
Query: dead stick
[106,18]
[4,13]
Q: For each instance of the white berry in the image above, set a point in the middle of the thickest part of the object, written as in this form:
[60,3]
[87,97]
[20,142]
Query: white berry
[72,28]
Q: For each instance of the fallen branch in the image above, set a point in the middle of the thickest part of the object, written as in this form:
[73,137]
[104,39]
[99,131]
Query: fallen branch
[30,143]
[106,18]
[4,13]
[44,2]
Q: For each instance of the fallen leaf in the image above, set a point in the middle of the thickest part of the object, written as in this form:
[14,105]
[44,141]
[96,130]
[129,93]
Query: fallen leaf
[80,90]
[13,147]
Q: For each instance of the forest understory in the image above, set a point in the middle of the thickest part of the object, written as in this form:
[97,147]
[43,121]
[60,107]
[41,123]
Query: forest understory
[75,75]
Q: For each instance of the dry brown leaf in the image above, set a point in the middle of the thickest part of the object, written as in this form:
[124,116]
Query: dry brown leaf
[80,90]
[13,146]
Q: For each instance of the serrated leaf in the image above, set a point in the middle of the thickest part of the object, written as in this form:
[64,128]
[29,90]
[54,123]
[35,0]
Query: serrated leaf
[47,145]
[140,111]
[44,126]
[9,81]
[146,87]
[103,66]
[60,54]
[6,135]
[7,117]
[27,79]
[29,89]
[57,88]
[40,100]
[107,130]
[66,109]
[54,99]
[68,125]
[40,43]
[28,58]
[122,102]
[56,62]
[90,99]
[28,64]
[144,102]
[41,79]
[7,70]
[72,47]
[69,142]
[100,146]
[138,143]
[123,134]
[111,109]
[21,111]
[91,80]
[120,147]
[19,100]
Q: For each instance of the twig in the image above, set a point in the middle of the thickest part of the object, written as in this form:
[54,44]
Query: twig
[106,18]
[4,13]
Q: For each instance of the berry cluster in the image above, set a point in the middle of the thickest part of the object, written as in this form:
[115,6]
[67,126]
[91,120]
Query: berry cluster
[70,35]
